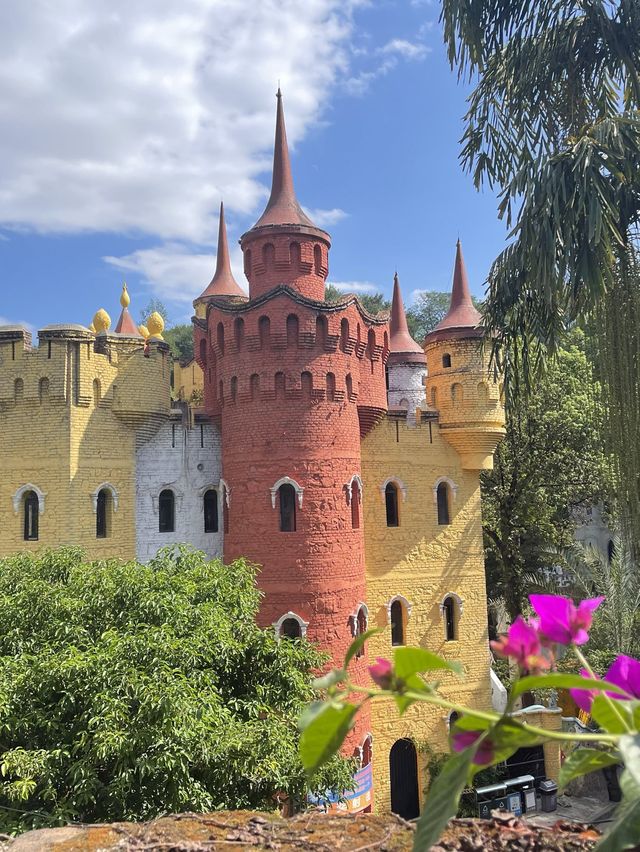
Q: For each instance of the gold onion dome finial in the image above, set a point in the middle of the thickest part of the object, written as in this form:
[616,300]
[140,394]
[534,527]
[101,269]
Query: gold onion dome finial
[155,325]
[125,298]
[144,331]
[101,321]
[92,328]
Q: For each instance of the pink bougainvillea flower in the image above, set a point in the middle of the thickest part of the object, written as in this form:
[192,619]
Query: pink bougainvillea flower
[561,620]
[460,740]
[522,643]
[623,672]
[382,672]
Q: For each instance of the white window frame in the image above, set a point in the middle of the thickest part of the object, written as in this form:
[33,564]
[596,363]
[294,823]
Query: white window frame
[398,483]
[24,489]
[111,489]
[453,488]
[286,480]
[277,625]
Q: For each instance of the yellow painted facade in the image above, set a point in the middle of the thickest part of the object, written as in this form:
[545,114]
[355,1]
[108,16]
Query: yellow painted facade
[72,409]
[423,561]
[187,378]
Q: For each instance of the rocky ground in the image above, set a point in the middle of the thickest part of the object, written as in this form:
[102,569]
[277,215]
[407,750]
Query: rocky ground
[315,832]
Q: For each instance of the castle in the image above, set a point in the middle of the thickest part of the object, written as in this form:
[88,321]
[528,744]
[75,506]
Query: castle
[331,449]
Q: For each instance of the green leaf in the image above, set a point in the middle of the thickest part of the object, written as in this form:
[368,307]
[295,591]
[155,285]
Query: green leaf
[442,800]
[310,712]
[616,717]
[408,661]
[582,761]
[324,734]
[332,678]
[625,831]
[357,644]
[629,746]
[412,683]
[558,680]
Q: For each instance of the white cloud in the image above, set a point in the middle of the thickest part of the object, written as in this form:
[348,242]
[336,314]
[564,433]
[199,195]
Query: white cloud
[355,286]
[128,117]
[325,218]
[407,49]
[173,272]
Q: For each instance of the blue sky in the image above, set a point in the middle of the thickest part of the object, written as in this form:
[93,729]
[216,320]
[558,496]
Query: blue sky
[125,127]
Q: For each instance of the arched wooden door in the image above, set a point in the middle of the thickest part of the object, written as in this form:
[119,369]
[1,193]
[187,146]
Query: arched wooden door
[403,771]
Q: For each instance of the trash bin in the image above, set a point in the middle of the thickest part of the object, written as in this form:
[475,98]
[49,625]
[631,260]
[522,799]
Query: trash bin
[491,798]
[548,795]
[524,786]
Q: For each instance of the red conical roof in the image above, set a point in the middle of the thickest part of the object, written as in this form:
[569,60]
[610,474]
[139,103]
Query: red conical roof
[223,283]
[401,345]
[283,207]
[462,315]
[126,324]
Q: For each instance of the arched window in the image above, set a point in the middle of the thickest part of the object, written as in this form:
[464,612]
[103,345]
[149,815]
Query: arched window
[321,331]
[446,360]
[291,629]
[221,390]
[268,255]
[287,499]
[293,327]
[371,343]
[397,623]
[483,393]
[331,387]
[234,388]
[453,718]
[306,382]
[31,516]
[290,626]
[344,334]
[220,337]
[361,622]
[354,497]
[203,352]
[279,385]
[294,255]
[238,332]
[97,391]
[366,750]
[349,385]
[18,389]
[457,394]
[443,501]
[317,259]
[391,504]
[166,511]
[254,386]
[434,397]
[103,513]
[43,389]
[449,615]
[247,262]
[264,331]
[210,507]
[386,341]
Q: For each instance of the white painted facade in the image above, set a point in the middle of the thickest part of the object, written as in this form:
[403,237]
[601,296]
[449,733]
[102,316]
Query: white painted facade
[406,387]
[187,461]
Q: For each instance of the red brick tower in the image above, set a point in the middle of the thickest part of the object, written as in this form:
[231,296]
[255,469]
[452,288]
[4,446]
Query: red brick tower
[295,382]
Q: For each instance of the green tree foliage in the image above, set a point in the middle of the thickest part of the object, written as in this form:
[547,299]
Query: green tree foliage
[374,303]
[180,339]
[129,690]
[159,307]
[550,461]
[554,125]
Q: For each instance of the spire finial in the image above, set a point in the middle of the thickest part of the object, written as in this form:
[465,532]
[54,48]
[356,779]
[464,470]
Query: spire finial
[125,324]
[125,298]
[283,207]
[462,313]
[223,283]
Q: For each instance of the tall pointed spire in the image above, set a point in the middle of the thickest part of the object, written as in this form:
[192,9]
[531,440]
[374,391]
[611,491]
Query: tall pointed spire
[462,314]
[401,344]
[283,207]
[223,283]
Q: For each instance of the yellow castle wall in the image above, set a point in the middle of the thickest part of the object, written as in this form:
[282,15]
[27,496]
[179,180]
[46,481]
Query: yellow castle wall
[423,562]
[186,379]
[67,442]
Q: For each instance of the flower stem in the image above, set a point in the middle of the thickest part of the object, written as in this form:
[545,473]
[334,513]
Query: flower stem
[610,701]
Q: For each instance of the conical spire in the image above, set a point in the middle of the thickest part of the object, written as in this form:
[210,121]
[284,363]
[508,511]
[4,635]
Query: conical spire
[400,341]
[283,207]
[223,283]
[125,324]
[462,313]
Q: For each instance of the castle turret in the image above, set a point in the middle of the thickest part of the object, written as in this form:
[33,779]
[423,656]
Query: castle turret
[223,283]
[407,365]
[126,324]
[294,382]
[459,384]
[284,246]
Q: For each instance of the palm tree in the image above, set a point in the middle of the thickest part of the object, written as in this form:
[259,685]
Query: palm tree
[554,124]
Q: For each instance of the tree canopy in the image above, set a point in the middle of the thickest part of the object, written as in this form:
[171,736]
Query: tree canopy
[130,690]
[550,462]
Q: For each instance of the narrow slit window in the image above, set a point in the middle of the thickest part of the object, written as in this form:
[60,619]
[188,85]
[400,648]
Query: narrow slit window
[397,623]
[355,506]
[291,629]
[391,503]
[442,496]
[210,501]
[102,511]
[166,511]
[31,516]
[287,494]
[449,611]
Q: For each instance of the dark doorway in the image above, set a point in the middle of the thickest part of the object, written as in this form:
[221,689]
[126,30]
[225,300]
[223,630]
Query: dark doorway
[403,771]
